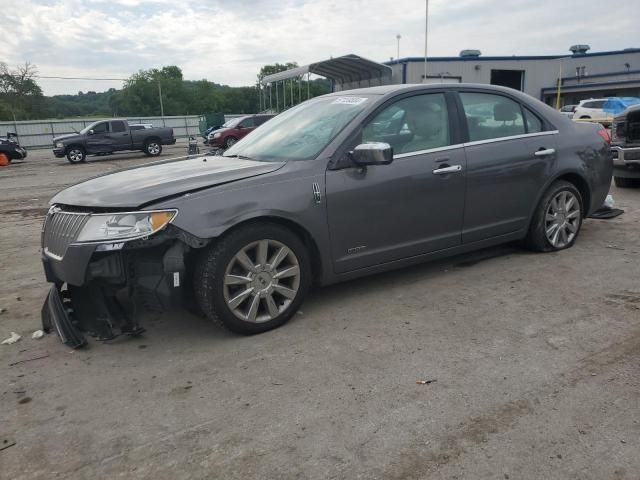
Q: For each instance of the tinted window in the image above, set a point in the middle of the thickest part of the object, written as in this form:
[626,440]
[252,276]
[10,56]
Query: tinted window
[101,127]
[261,120]
[118,126]
[247,123]
[412,124]
[594,104]
[491,116]
[534,124]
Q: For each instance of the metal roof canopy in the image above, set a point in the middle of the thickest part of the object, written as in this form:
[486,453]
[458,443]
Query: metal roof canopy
[345,69]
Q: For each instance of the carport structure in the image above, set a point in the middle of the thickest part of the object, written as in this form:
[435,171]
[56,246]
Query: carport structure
[346,72]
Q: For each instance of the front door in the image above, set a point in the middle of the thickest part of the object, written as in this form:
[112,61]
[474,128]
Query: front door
[413,206]
[508,157]
[99,141]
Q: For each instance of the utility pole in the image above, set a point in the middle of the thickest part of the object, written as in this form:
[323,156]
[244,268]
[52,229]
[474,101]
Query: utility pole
[160,97]
[426,36]
[398,37]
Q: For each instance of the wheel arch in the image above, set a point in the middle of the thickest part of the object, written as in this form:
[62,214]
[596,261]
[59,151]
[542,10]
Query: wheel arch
[298,229]
[75,145]
[153,137]
[574,178]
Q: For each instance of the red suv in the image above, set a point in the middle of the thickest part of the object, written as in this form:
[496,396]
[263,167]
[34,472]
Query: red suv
[235,129]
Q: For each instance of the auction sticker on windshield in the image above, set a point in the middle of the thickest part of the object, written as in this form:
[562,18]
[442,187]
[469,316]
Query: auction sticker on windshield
[350,100]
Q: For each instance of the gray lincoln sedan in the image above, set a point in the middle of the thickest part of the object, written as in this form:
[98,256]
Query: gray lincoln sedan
[340,186]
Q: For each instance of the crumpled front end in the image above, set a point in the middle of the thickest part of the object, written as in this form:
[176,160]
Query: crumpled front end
[103,289]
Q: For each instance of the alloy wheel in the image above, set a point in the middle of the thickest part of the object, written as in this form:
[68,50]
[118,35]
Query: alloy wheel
[76,155]
[153,148]
[261,281]
[562,219]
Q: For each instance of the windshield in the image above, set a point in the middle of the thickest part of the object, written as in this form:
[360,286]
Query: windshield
[232,123]
[89,127]
[301,132]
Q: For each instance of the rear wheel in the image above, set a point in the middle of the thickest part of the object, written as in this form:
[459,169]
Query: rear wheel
[557,220]
[253,279]
[153,148]
[622,182]
[76,154]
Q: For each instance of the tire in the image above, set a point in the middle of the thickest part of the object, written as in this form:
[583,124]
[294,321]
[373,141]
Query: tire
[622,182]
[567,220]
[234,304]
[230,142]
[76,154]
[152,147]
[585,117]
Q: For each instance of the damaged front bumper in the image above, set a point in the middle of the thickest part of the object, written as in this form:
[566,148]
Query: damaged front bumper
[103,290]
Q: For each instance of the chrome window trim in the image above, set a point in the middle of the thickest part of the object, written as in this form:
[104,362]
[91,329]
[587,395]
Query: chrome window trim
[430,150]
[512,137]
[476,142]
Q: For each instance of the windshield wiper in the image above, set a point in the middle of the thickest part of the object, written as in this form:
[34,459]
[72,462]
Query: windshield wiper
[241,157]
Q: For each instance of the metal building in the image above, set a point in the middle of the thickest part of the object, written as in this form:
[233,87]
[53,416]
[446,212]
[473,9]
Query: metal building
[583,74]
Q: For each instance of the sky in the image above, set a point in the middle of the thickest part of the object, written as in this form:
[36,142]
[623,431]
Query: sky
[227,41]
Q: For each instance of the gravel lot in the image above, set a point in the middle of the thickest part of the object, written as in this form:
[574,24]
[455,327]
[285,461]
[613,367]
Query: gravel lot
[534,359]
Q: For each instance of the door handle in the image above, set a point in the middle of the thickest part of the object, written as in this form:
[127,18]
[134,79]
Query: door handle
[544,152]
[446,170]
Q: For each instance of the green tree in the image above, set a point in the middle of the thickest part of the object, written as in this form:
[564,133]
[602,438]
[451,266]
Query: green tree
[20,95]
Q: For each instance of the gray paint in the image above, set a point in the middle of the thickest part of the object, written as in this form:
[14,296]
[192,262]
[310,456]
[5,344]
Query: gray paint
[400,213]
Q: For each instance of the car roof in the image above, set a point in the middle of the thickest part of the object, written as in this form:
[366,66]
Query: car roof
[393,89]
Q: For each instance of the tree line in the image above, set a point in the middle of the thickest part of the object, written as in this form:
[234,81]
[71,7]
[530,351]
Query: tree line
[21,97]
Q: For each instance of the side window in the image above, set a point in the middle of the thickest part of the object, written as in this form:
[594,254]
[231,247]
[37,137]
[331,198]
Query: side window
[598,104]
[101,128]
[491,116]
[247,123]
[534,124]
[118,126]
[587,105]
[412,124]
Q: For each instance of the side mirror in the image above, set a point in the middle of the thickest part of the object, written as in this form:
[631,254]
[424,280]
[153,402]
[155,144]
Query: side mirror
[90,132]
[377,153]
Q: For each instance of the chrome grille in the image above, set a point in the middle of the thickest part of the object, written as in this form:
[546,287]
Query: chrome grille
[60,230]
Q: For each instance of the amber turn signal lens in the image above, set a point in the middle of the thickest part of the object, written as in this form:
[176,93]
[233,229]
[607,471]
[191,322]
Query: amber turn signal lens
[160,219]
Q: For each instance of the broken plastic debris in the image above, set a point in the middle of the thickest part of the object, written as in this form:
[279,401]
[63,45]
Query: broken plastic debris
[426,382]
[12,339]
[609,201]
[37,334]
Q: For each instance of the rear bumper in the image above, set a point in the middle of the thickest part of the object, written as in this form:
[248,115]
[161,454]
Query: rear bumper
[169,142]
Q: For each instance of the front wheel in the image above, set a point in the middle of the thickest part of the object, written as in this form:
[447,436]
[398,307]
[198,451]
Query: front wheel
[153,148]
[253,279]
[76,155]
[230,142]
[557,220]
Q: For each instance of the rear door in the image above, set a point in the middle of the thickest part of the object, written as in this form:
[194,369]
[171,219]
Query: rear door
[508,154]
[120,136]
[413,206]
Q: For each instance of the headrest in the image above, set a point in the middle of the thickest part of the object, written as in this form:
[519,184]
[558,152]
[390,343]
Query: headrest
[505,112]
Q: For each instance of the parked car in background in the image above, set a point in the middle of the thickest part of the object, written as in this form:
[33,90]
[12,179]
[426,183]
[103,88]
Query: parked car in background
[10,148]
[592,109]
[235,129]
[568,110]
[109,136]
[140,126]
[331,189]
[625,142]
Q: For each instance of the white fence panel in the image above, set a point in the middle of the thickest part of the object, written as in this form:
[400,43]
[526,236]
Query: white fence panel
[40,133]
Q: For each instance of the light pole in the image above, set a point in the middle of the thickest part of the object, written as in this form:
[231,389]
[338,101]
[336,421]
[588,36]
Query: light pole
[426,36]
[398,37]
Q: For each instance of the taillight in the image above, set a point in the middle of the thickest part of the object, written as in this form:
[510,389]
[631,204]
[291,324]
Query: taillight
[604,134]
[575,107]
[172,132]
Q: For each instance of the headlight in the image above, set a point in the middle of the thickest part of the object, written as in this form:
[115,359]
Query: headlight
[130,225]
[59,145]
[216,135]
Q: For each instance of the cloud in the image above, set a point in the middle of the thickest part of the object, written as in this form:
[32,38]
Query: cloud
[227,41]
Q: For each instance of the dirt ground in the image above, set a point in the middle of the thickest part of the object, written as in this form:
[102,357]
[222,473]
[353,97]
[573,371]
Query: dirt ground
[534,361]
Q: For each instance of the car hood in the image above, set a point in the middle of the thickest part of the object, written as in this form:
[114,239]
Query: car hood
[136,187]
[222,130]
[68,136]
